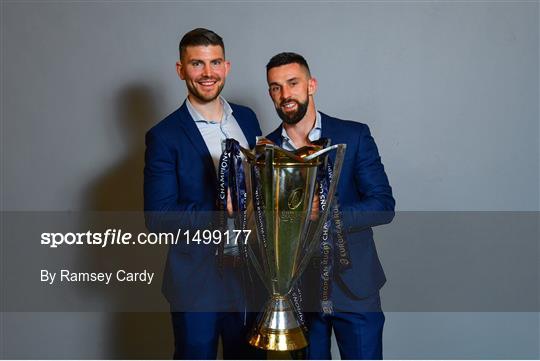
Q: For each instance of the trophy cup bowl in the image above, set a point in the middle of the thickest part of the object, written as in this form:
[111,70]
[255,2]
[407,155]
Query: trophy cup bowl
[281,186]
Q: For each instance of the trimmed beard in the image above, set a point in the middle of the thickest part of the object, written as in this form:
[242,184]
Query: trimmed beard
[296,116]
[201,97]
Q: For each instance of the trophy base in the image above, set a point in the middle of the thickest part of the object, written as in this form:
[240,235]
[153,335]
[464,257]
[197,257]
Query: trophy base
[278,329]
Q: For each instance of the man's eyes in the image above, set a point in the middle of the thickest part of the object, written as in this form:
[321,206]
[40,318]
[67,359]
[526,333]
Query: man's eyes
[214,63]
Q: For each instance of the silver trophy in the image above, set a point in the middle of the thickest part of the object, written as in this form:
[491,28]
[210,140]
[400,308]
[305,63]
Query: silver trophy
[281,187]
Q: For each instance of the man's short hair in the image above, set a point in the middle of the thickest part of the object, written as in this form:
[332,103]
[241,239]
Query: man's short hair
[200,37]
[287,58]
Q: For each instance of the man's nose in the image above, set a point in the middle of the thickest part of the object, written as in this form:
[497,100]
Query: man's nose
[285,92]
[207,70]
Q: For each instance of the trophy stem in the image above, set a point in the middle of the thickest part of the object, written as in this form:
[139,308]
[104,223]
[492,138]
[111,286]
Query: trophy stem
[277,328]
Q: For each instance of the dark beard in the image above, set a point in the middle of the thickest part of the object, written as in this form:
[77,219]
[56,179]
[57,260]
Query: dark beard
[295,117]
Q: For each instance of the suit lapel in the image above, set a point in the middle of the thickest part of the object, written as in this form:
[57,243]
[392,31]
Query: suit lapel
[194,135]
[329,131]
[245,127]
[275,136]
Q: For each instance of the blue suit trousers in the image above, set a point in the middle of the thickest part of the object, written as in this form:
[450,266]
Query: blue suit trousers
[358,334]
[196,335]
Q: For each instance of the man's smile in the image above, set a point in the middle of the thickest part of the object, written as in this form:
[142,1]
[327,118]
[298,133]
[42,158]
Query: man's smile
[207,83]
[289,105]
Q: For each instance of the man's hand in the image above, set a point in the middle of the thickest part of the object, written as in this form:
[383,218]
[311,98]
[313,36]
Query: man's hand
[314,209]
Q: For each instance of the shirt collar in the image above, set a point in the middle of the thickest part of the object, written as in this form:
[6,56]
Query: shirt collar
[197,117]
[314,133]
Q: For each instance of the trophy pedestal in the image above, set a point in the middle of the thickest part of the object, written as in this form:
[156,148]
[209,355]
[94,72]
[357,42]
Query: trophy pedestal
[277,328]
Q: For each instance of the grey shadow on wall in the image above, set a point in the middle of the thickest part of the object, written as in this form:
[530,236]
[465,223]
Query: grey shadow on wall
[119,189]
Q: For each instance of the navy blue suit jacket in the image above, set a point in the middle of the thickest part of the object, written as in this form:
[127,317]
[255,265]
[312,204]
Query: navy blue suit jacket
[180,190]
[365,197]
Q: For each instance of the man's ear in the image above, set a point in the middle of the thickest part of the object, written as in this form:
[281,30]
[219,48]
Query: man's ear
[227,67]
[180,70]
[312,86]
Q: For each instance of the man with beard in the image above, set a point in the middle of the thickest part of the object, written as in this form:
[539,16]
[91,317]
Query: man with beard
[353,309]
[180,192]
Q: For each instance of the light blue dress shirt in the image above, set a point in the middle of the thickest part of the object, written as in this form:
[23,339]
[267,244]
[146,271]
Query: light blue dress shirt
[214,132]
[314,134]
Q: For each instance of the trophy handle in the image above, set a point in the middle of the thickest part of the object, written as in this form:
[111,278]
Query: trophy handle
[258,269]
[314,235]
[261,264]
[321,152]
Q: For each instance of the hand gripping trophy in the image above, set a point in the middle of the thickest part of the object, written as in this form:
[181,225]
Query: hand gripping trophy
[280,187]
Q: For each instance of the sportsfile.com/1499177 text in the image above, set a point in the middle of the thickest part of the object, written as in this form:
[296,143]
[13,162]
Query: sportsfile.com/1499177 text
[113,237]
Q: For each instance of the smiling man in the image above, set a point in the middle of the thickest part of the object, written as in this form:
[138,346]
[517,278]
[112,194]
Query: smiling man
[180,190]
[350,300]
